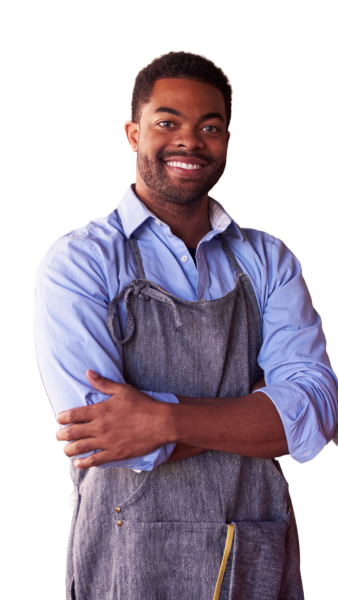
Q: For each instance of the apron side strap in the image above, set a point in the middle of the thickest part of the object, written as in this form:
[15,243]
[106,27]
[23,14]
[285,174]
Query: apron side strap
[134,250]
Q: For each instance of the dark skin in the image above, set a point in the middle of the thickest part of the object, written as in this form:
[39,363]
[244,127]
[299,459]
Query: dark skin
[180,202]
[189,133]
[183,450]
[130,423]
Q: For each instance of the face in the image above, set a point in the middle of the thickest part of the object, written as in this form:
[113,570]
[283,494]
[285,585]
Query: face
[181,141]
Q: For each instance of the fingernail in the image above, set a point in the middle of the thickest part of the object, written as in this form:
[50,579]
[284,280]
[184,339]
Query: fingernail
[93,374]
[76,463]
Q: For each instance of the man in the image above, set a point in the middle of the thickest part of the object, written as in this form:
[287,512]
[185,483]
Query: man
[172,314]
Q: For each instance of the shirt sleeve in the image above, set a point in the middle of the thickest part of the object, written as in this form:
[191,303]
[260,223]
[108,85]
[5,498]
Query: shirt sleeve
[298,375]
[71,302]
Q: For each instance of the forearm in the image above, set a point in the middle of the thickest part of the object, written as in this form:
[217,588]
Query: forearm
[181,450]
[249,425]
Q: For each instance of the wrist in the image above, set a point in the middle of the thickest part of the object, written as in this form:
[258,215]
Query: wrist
[169,423]
[193,400]
[188,422]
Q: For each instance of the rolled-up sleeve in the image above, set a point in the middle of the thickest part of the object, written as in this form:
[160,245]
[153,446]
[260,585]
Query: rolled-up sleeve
[71,302]
[298,375]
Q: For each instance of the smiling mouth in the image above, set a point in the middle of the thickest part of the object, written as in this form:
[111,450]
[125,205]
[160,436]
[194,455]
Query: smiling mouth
[183,165]
[185,170]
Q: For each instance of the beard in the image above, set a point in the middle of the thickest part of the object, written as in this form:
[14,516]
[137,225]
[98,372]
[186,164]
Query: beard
[186,191]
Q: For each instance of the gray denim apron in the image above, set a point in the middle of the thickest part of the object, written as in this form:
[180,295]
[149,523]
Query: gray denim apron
[217,526]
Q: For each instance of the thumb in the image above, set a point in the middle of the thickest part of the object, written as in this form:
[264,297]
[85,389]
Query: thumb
[107,386]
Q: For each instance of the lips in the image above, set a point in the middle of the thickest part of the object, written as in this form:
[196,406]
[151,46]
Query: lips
[186,173]
[192,160]
[184,166]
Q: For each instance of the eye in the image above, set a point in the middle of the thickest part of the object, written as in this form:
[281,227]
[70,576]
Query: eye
[165,122]
[211,128]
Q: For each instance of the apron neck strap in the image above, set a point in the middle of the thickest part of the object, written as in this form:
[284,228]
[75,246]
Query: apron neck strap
[231,257]
[134,250]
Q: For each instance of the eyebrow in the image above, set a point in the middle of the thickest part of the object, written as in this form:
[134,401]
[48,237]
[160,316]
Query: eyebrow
[177,113]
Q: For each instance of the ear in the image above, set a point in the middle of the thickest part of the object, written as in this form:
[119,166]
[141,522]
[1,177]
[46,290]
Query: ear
[132,131]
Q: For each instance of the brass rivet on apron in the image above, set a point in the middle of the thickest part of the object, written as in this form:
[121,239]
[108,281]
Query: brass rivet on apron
[119,523]
[117,509]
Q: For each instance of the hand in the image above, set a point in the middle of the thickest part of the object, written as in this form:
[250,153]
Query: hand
[126,425]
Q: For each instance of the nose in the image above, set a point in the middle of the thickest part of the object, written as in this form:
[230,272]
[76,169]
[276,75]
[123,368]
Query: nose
[188,138]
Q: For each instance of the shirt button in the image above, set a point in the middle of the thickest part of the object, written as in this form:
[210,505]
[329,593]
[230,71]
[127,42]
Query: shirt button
[158,222]
[118,509]
[119,523]
[184,258]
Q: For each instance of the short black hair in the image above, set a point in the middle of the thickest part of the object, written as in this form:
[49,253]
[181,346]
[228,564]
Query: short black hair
[178,65]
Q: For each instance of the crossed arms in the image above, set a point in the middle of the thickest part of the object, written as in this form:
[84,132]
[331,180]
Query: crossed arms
[130,423]
[71,336]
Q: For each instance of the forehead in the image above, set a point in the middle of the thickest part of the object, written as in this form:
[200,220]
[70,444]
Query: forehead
[192,98]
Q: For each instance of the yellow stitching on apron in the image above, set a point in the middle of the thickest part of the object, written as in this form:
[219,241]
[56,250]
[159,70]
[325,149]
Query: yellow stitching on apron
[228,543]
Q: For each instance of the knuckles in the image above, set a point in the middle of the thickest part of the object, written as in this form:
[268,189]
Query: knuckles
[68,434]
[68,417]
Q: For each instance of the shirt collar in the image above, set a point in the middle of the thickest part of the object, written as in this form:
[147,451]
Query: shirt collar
[134,213]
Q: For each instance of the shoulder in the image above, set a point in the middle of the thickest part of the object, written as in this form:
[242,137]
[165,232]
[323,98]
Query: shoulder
[269,263]
[271,253]
[98,240]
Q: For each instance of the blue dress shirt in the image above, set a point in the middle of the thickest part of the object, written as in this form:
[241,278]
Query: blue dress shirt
[85,269]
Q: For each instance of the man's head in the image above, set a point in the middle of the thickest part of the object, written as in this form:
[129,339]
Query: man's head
[181,109]
[179,64]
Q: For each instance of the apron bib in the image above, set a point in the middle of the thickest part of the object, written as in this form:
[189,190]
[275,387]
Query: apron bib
[217,526]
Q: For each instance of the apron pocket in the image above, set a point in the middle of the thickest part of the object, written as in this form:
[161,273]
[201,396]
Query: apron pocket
[258,560]
[167,561]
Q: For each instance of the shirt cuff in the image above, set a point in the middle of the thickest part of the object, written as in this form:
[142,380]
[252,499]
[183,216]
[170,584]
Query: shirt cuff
[302,427]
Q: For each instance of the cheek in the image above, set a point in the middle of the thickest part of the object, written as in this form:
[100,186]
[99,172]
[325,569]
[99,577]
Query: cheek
[149,147]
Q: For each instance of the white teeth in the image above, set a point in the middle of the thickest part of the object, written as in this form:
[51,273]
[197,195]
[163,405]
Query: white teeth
[174,163]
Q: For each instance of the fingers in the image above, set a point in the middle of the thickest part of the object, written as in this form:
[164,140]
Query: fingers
[92,461]
[75,432]
[93,374]
[81,414]
[80,447]
[107,386]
